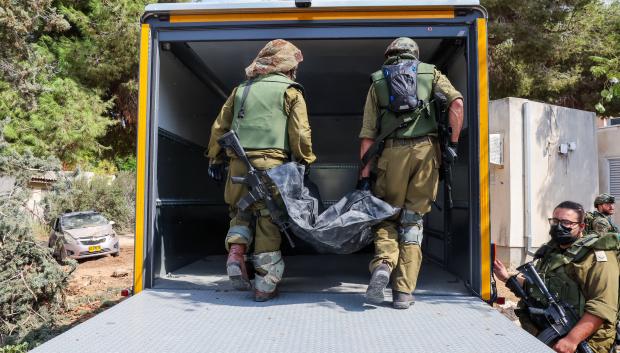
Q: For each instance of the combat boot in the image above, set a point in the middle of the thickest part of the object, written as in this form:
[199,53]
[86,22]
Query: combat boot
[402,300]
[235,268]
[263,296]
[378,281]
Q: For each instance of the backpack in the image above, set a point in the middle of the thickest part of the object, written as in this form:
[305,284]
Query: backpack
[588,219]
[402,82]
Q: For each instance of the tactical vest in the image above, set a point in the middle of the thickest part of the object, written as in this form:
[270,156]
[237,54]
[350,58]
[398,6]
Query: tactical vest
[264,122]
[426,118]
[553,270]
[592,216]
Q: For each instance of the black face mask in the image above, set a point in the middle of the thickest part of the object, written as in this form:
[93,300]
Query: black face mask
[561,234]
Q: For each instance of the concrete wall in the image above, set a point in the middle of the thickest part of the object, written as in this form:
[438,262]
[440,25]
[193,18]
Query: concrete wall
[554,177]
[608,148]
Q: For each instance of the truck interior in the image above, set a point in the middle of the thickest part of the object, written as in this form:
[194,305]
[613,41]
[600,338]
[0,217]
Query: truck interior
[194,78]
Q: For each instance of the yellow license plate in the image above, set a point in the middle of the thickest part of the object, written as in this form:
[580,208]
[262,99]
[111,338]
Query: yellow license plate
[94,248]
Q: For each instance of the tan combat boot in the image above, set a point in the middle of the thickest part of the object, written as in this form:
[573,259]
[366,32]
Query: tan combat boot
[235,267]
[402,300]
[378,281]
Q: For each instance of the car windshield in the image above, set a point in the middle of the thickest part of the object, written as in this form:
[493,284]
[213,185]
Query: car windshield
[83,221]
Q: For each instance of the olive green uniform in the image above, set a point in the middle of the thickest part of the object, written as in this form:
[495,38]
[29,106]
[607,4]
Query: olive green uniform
[600,224]
[584,276]
[267,237]
[407,177]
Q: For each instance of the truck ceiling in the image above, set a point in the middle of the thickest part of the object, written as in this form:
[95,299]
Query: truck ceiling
[208,5]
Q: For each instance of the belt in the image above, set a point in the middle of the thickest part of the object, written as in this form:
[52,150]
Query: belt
[407,141]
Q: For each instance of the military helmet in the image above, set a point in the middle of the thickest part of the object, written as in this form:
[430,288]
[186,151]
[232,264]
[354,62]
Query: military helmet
[604,198]
[403,45]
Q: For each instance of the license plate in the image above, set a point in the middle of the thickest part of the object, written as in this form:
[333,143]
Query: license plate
[94,248]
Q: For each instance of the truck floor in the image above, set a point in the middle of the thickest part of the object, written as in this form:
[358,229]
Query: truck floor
[194,311]
[311,273]
[160,320]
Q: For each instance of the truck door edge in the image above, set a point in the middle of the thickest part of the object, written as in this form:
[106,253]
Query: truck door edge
[145,39]
[483,106]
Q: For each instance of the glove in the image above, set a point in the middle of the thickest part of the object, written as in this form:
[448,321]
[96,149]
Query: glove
[451,152]
[363,184]
[217,171]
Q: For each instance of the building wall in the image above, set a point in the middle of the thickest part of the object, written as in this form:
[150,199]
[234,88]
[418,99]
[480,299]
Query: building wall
[554,177]
[608,148]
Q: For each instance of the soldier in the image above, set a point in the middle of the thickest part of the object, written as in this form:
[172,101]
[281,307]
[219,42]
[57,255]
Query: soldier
[599,221]
[268,111]
[407,168]
[583,272]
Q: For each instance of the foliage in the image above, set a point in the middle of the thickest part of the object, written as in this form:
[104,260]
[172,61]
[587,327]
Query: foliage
[22,22]
[33,283]
[115,199]
[609,69]
[542,50]
[17,348]
[67,123]
[77,60]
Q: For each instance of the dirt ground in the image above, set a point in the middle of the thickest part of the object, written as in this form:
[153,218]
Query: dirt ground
[507,309]
[96,284]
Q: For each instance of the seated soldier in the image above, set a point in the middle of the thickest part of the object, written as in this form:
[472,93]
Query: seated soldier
[582,270]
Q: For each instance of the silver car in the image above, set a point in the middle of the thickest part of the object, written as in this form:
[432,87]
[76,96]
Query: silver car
[79,235]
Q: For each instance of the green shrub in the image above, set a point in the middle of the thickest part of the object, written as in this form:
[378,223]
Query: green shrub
[33,283]
[18,348]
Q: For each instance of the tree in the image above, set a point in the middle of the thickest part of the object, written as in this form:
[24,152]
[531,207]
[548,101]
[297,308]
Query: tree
[543,50]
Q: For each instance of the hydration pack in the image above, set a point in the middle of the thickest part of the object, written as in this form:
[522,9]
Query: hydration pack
[402,81]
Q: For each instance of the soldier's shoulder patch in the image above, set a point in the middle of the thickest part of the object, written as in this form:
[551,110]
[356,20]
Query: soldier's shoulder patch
[600,256]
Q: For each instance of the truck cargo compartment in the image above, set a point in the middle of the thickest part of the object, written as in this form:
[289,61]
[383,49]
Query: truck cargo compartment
[195,78]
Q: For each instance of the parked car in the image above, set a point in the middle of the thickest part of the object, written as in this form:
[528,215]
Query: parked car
[79,235]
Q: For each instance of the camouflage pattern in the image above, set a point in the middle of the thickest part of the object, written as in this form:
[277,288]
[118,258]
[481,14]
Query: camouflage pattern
[403,45]
[269,270]
[584,276]
[598,223]
[604,198]
[277,56]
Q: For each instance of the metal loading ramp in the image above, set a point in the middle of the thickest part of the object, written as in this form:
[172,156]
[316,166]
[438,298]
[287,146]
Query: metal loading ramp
[217,321]
[194,312]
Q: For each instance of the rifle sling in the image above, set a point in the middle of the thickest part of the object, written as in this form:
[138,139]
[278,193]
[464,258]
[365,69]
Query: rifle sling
[398,123]
[246,91]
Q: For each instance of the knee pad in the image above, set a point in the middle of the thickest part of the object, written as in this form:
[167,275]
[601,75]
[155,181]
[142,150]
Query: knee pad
[269,270]
[411,230]
[239,231]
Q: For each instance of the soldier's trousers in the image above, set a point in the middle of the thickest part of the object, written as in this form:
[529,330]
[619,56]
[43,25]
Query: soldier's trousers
[407,177]
[267,235]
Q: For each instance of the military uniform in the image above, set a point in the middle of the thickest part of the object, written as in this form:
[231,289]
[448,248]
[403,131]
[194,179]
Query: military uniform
[407,171]
[272,128]
[584,276]
[600,223]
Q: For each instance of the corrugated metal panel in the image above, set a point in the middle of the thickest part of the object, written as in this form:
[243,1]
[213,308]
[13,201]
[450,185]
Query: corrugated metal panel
[614,177]
[283,4]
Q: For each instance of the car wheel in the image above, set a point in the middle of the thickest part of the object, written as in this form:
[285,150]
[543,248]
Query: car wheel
[116,254]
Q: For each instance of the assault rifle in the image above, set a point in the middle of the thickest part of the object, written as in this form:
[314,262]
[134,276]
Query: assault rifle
[447,154]
[257,182]
[557,319]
